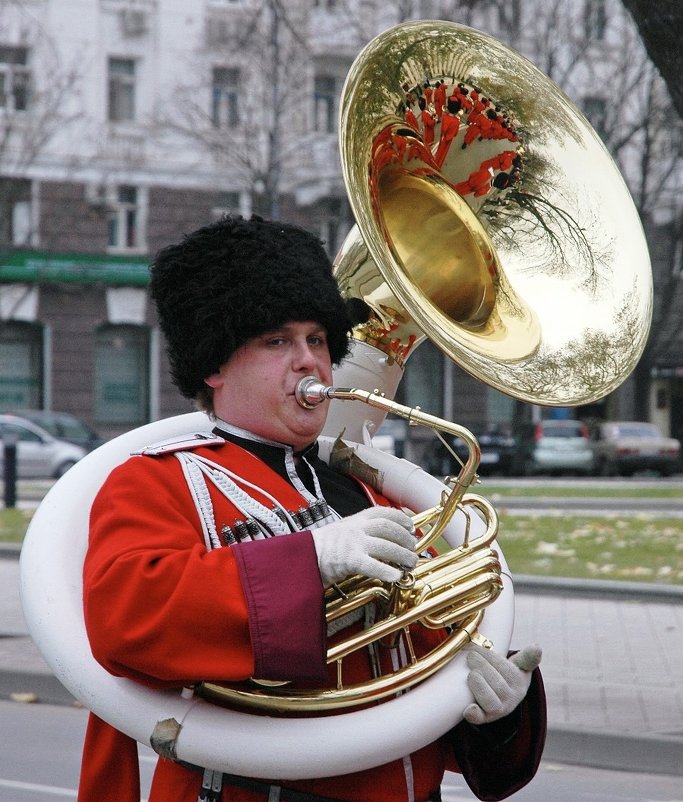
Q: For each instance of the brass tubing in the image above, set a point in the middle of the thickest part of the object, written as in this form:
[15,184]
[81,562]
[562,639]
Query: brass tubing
[381,629]
[315,701]
[452,588]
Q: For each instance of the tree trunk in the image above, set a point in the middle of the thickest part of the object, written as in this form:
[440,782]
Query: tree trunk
[660,25]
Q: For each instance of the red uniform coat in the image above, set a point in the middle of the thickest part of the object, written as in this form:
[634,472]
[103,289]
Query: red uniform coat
[411,119]
[428,125]
[259,613]
[450,125]
[440,99]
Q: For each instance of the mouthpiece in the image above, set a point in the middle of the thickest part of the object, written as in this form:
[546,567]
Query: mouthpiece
[310,392]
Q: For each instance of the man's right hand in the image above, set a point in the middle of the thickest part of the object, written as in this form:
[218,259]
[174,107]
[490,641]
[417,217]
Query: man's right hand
[365,543]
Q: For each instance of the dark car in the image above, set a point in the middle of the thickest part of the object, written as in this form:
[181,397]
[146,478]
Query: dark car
[626,447]
[497,449]
[63,426]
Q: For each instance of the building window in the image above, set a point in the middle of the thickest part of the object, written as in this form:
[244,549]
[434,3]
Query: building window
[325,104]
[15,212]
[422,383]
[226,203]
[21,365]
[124,220]
[15,78]
[595,109]
[329,234]
[122,375]
[500,407]
[677,261]
[121,89]
[595,20]
[224,97]
[332,224]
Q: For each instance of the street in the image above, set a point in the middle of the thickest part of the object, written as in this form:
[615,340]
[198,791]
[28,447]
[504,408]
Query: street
[40,758]
[559,783]
[41,752]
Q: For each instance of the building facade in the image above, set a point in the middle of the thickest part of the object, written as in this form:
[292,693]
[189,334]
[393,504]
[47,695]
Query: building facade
[126,123]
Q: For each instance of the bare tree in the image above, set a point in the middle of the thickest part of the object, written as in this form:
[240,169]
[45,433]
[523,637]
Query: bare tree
[248,130]
[628,103]
[660,24]
[642,131]
[32,115]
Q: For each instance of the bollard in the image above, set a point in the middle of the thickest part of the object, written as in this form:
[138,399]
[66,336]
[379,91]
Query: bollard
[10,472]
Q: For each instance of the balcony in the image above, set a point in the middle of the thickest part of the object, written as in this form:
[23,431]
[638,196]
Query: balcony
[123,148]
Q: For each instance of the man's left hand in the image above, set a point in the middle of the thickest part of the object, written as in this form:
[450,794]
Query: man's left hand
[498,683]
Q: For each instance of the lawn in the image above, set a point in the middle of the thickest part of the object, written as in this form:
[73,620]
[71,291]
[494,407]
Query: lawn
[492,490]
[635,547]
[630,548]
[13,523]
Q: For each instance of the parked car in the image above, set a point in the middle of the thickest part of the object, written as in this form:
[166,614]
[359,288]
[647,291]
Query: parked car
[63,426]
[497,450]
[625,447]
[39,454]
[553,446]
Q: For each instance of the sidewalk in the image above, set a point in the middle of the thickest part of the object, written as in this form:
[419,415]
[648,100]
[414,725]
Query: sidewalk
[612,655]
[612,670]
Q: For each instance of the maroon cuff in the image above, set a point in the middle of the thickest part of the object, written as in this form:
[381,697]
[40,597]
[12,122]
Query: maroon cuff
[285,597]
[495,769]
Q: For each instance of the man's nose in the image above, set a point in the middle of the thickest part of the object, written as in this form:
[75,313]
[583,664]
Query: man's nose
[304,356]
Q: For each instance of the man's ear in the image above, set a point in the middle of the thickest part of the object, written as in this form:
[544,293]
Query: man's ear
[214,380]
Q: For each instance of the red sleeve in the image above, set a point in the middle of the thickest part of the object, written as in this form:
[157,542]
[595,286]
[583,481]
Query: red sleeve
[162,610]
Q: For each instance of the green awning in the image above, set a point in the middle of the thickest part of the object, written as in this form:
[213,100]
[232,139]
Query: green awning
[76,268]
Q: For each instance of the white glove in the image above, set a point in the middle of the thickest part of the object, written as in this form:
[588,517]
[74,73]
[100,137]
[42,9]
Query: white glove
[498,683]
[364,543]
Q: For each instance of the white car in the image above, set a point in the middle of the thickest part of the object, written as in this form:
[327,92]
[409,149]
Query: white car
[39,454]
[554,446]
[626,447]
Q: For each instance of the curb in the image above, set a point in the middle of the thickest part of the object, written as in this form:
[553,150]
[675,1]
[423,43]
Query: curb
[45,688]
[647,754]
[597,588]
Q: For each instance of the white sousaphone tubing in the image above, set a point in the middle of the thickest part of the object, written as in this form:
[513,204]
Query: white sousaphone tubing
[228,740]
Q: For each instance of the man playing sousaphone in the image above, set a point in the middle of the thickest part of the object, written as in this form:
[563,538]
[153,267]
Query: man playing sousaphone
[208,558]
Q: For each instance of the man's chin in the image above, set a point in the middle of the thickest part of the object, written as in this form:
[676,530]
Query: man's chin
[306,433]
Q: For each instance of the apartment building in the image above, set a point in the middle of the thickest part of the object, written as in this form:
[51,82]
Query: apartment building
[128,122]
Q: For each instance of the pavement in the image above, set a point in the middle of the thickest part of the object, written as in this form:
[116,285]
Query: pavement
[612,657]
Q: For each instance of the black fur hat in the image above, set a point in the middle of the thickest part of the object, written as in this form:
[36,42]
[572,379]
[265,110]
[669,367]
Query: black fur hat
[235,279]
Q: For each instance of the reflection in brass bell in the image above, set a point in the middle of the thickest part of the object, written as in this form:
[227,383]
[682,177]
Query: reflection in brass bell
[519,253]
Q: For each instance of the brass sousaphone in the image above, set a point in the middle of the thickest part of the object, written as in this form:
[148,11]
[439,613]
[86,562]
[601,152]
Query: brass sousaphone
[515,248]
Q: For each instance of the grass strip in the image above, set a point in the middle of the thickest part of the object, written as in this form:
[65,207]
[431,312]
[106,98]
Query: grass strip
[628,548]
[633,548]
[587,490]
[13,524]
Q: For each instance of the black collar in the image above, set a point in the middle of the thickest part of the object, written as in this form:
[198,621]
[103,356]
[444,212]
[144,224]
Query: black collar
[272,453]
